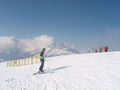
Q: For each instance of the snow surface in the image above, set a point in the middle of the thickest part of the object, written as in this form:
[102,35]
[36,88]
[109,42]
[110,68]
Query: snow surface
[99,71]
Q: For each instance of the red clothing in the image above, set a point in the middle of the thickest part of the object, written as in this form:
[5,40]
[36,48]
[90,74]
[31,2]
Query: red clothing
[106,49]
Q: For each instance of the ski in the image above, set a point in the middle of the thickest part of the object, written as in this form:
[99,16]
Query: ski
[45,72]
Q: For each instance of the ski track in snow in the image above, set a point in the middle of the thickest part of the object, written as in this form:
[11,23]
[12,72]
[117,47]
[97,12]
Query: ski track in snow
[71,72]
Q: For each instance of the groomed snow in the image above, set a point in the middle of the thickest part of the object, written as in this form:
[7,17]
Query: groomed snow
[99,71]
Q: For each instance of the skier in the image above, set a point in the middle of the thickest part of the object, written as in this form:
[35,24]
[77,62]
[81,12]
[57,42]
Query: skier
[42,58]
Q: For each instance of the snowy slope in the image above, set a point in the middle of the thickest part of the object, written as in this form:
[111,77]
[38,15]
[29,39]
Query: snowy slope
[71,72]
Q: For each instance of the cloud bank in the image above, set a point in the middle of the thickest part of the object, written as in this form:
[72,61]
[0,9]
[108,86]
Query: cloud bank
[11,46]
[6,43]
[35,44]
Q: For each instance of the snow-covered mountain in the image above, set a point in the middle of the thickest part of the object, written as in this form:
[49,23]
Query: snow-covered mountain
[54,49]
[62,49]
[98,71]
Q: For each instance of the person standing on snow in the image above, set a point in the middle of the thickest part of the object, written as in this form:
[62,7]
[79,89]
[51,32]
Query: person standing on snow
[100,49]
[106,48]
[96,51]
[42,59]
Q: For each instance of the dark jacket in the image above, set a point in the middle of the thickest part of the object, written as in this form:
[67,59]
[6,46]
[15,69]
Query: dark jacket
[42,56]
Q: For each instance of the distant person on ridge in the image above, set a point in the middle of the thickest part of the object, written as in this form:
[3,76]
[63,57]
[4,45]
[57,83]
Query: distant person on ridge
[96,51]
[42,58]
[106,48]
[100,49]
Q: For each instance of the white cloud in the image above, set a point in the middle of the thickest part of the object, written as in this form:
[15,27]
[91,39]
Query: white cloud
[6,43]
[35,44]
[11,47]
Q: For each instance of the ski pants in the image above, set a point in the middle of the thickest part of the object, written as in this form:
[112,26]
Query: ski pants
[42,65]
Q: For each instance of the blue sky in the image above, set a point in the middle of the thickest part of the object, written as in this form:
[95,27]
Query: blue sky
[85,23]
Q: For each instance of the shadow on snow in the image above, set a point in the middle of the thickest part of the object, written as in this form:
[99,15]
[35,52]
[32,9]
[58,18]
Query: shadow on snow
[59,68]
